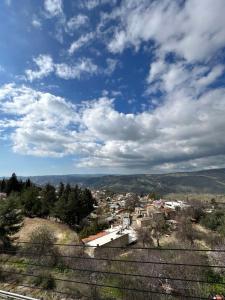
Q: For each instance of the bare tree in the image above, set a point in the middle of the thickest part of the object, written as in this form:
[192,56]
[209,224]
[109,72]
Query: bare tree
[144,235]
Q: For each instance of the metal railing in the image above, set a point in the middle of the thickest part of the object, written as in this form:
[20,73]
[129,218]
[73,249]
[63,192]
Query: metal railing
[8,295]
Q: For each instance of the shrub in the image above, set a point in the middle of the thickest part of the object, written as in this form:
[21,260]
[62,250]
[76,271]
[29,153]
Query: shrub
[214,221]
[2,275]
[41,246]
[45,280]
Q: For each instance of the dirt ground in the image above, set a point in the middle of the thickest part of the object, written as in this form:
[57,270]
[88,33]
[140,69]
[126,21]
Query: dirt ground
[62,232]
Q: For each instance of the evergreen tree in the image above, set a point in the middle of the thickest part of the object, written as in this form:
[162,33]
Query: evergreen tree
[74,205]
[87,203]
[31,203]
[48,200]
[60,209]
[13,185]
[61,189]
[28,183]
[3,185]
[10,220]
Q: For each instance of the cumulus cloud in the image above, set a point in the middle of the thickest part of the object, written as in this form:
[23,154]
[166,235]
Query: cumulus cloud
[183,129]
[53,7]
[181,132]
[194,30]
[46,66]
[170,77]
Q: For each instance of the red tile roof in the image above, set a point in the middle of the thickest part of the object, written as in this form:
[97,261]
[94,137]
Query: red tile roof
[94,237]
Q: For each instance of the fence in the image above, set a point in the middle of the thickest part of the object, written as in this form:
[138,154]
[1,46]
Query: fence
[10,257]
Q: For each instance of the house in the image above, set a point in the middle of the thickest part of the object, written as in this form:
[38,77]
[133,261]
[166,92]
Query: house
[140,211]
[175,205]
[143,222]
[112,237]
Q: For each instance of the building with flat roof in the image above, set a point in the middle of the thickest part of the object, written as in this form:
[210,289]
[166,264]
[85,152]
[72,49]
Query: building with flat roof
[113,237]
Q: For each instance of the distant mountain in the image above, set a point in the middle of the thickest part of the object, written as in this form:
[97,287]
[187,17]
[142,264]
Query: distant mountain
[207,181]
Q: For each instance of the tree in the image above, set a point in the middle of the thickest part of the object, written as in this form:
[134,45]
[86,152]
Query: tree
[74,205]
[153,196]
[41,246]
[48,197]
[3,185]
[13,185]
[28,183]
[132,202]
[31,203]
[159,229]
[61,189]
[144,235]
[10,220]
[185,231]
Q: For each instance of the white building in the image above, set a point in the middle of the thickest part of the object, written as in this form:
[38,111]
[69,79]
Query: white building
[114,237]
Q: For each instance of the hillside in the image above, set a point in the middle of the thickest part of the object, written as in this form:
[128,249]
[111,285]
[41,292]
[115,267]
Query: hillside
[207,181]
[61,231]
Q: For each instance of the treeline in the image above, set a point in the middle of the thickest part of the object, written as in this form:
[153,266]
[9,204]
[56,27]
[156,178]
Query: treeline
[13,185]
[68,204]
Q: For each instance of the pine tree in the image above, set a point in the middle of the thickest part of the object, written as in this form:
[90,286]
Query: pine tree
[3,185]
[61,189]
[48,200]
[31,204]
[10,220]
[28,183]
[13,185]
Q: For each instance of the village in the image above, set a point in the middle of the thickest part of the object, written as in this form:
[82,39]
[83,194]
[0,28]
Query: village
[126,214]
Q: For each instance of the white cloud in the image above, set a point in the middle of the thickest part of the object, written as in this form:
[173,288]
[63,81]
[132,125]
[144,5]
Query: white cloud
[111,65]
[181,133]
[212,75]
[91,4]
[195,29]
[77,21]
[36,22]
[192,80]
[46,66]
[76,71]
[83,40]
[183,129]
[53,7]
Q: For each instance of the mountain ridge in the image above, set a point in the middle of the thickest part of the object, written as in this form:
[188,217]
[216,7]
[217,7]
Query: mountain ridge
[202,181]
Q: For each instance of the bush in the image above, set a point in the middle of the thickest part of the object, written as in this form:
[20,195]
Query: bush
[2,275]
[41,246]
[214,221]
[45,280]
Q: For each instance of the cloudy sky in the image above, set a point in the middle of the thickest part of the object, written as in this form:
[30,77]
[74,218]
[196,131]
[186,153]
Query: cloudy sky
[109,86]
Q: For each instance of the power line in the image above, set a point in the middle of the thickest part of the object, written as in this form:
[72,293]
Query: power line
[124,247]
[108,286]
[119,273]
[120,260]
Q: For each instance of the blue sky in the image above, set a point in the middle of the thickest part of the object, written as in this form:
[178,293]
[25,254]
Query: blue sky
[99,86]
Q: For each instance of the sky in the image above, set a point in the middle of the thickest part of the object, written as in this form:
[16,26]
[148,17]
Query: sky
[111,86]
